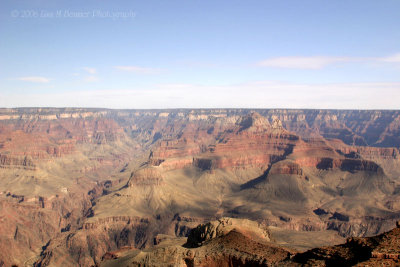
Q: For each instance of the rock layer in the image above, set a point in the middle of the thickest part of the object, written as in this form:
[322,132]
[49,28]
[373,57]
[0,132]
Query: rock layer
[122,177]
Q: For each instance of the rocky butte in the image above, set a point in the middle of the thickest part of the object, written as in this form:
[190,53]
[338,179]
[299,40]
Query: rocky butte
[212,187]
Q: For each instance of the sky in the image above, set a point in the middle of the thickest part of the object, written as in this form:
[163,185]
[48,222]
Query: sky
[342,54]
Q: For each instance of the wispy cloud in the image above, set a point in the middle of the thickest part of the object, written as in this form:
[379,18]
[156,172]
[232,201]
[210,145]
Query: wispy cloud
[91,79]
[198,64]
[137,69]
[90,70]
[34,79]
[393,58]
[315,62]
[319,62]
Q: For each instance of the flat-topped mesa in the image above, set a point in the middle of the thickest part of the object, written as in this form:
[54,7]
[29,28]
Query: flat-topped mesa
[173,157]
[149,176]
[256,144]
[249,142]
[286,168]
[175,148]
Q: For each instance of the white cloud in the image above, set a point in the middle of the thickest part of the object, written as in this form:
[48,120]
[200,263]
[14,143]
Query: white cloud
[91,79]
[90,70]
[319,62]
[34,79]
[198,64]
[393,58]
[137,69]
[315,62]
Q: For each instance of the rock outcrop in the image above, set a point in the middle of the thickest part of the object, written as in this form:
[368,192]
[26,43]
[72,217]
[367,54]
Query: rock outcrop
[227,242]
[205,232]
[381,250]
[235,247]
[146,177]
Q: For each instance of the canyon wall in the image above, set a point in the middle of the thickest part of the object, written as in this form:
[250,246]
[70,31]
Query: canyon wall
[120,177]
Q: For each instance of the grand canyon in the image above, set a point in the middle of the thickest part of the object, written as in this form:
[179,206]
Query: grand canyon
[199,187]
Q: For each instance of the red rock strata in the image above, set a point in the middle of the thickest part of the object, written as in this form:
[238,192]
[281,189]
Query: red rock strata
[277,167]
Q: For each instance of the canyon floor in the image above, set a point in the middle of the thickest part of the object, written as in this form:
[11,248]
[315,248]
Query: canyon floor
[212,187]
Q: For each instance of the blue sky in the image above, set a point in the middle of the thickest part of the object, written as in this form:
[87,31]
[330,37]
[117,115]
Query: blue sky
[200,54]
